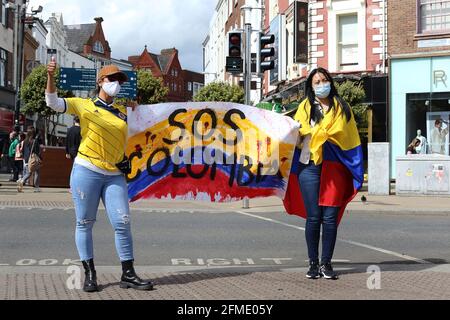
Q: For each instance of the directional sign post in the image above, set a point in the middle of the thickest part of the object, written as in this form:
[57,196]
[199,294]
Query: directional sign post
[77,79]
[129,89]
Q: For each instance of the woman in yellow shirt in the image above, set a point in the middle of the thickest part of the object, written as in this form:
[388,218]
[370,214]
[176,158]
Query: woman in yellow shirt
[98,171]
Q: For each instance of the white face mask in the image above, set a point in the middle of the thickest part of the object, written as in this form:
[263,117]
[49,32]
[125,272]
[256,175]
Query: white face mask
[112,89]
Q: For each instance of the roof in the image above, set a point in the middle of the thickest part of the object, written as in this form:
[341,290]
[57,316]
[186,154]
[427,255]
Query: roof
[78,35]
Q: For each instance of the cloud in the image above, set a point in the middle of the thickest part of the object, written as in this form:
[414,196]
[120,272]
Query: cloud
[131,24]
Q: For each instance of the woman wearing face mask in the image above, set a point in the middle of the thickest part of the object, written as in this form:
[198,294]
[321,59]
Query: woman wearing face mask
[330,168]
[96,175]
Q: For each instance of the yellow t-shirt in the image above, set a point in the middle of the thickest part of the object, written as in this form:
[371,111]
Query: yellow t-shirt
[103,133]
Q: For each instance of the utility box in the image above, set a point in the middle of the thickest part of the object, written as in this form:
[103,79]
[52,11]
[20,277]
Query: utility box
[56,168]
[423,175]
[379,169]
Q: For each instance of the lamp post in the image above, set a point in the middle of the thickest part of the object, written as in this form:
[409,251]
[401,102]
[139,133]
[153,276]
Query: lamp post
[21,17]
[247,10]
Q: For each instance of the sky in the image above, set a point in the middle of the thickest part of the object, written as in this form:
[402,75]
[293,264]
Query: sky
[129,25]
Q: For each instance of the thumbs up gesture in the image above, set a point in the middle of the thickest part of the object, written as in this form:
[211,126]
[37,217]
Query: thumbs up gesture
[51,67]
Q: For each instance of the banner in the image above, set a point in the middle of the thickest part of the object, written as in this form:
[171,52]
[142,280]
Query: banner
[213,151]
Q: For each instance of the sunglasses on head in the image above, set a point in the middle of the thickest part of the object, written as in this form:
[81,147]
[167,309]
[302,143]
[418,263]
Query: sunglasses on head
[114,77]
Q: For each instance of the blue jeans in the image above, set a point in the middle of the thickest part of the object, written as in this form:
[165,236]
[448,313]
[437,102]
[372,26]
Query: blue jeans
[88,187]
[309,179]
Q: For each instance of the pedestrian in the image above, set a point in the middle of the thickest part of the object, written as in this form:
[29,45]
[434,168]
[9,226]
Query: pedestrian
[73,139]
[98,171]
[412,146]
[19,154]
[14,137]
[330,144]
[32,147]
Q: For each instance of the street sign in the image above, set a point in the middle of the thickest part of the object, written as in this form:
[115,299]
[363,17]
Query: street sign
[234,65]
[77,79]
[129,89]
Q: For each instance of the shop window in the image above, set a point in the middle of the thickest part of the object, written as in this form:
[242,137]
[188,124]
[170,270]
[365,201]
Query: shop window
[429,113]
[434,16]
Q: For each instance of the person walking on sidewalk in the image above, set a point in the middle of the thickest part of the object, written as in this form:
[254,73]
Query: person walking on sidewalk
[31,145]
[19,154]
[98,171]
[73,139]
[12,155]
[329,166]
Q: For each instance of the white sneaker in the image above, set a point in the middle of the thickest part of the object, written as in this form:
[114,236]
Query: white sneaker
[19,186]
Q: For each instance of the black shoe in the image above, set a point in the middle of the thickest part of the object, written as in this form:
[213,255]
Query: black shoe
[131,280]
[326,271]
[313,272]
[90,281]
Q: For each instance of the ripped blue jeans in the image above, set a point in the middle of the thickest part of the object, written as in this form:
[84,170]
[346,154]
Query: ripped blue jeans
[88,187]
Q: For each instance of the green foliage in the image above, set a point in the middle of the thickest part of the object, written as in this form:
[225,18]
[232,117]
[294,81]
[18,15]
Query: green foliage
[354,94]
[151,90]
[32,93]
[220,91]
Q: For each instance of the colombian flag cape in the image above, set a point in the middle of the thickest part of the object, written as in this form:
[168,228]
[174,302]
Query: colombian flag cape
[335,143]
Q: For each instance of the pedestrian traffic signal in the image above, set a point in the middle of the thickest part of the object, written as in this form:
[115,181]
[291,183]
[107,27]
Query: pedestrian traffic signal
[234,60]
[266,52]
[235,44]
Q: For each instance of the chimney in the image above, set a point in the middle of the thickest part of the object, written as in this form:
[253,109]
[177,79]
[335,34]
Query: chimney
[99,20]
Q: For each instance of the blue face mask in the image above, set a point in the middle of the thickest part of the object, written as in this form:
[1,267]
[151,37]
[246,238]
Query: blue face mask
[323,91]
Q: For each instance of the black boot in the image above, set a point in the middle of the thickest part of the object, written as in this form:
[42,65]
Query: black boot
[131,280]
[90,281]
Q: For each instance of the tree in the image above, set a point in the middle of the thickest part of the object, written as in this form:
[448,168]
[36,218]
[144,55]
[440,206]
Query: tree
[150,89]
[32,95]
[354,95]
[220,91]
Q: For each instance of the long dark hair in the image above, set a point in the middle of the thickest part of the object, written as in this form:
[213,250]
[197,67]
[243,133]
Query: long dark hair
[31,135]
[316,115]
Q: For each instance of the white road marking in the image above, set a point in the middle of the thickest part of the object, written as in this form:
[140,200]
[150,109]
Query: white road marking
[392,253]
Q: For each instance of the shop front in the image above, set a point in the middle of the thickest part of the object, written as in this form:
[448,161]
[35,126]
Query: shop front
[420,106]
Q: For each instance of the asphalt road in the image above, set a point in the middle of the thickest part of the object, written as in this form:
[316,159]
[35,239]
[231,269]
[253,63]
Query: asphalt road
[201,240]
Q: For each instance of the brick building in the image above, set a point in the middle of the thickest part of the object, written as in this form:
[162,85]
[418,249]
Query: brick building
[89,41]
[419,59]
[166,65]
[346,37]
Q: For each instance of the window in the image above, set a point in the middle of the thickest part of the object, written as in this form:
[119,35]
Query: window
[98,47]
[2,68]
[3,13]
[434,15]
[189,86]
[429,113]
[348,40]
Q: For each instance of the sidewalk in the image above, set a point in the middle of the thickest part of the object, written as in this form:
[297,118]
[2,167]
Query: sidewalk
[400,281]
[395,282]
[61,198]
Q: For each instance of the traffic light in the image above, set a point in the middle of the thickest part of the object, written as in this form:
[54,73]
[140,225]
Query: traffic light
[234,61]
[266,52]
[235,44]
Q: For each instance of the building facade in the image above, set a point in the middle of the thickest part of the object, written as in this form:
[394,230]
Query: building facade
[419,58]
[166,66]
[227,17]
[7,61]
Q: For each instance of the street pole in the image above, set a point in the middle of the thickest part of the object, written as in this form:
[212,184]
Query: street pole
[21,36]
[248,68]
